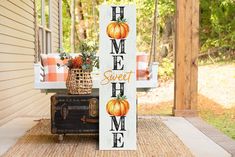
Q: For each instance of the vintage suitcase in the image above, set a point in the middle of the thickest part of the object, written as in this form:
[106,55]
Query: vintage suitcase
[72,114]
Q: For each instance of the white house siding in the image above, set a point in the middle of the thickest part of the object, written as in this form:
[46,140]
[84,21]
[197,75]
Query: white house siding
[17,48]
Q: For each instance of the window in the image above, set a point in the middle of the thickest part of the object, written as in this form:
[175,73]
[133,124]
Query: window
[47,13]
[44,25]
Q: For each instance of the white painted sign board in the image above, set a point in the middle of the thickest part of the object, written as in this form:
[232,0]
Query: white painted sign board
[117,107]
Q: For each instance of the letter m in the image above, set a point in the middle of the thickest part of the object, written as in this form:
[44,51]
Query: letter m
[117,47]
[119,126]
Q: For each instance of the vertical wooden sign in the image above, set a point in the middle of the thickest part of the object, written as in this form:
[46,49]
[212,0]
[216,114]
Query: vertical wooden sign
[117,118]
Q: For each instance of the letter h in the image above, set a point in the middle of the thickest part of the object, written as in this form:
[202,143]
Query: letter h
[114,89]
[114,13]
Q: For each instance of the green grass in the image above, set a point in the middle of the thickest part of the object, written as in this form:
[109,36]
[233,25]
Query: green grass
[211,112]
[224,122]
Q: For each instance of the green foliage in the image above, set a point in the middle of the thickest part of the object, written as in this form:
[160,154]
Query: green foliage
[224,122]
[88,50]
[66,29]
[145,10]
[88,46]
[145,13]
[39,11]
[166,10]
[85,61]
[145,17]
[224,56]
[217,24]
[89,60]
[166,69]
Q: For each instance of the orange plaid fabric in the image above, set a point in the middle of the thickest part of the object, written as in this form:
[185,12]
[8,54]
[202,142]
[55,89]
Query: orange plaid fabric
[53,73]
[142,71]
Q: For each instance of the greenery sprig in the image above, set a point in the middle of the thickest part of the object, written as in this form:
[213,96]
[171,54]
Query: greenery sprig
[85,61]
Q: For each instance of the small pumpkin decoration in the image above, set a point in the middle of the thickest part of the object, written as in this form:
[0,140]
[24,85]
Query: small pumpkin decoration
[118,106]
[118,29]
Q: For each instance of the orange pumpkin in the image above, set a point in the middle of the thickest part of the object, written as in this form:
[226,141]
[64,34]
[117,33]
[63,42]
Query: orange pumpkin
[118,106]
[118,29]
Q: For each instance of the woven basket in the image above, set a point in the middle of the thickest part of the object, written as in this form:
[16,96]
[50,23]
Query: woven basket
[79,81]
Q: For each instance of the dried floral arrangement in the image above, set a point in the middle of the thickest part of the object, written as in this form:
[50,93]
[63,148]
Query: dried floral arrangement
[85,61]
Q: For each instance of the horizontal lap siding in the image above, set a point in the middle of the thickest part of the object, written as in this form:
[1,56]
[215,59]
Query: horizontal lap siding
[17,48]
[55,25]
[10,75]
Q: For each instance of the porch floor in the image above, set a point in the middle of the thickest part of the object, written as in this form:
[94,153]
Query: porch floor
[186,129]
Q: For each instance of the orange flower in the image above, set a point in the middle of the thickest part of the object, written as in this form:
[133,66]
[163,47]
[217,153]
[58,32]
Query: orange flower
[77,62]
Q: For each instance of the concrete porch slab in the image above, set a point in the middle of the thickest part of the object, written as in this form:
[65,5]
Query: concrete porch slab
[221,139]
[13,130]
[199,144]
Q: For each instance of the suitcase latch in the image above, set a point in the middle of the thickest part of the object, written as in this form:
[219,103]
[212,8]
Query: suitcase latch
[64,111]
[93,107]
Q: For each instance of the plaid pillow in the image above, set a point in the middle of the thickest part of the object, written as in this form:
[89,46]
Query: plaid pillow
[52,72]
[142,71]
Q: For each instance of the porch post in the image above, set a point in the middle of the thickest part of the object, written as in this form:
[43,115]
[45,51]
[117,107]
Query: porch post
[187,48]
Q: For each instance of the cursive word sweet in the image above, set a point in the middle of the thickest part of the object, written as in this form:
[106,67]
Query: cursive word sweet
[111,76]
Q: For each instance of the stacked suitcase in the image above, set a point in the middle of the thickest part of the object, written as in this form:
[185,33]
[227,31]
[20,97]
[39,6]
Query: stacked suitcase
[72,114]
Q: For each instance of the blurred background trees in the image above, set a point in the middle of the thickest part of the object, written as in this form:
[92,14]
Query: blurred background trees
[87,21]
[217,28]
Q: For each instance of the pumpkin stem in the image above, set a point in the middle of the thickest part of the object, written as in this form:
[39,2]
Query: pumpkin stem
[119,20]
[119,97]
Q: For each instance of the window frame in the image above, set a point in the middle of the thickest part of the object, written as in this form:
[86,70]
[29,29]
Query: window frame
[45,33]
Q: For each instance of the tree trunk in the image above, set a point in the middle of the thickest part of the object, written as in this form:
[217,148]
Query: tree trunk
[72,40]
[95,30]
[69,14]
[153,47]
[67,7]
[81,23]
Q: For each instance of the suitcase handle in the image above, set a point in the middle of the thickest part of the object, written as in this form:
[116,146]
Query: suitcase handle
[89,120]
